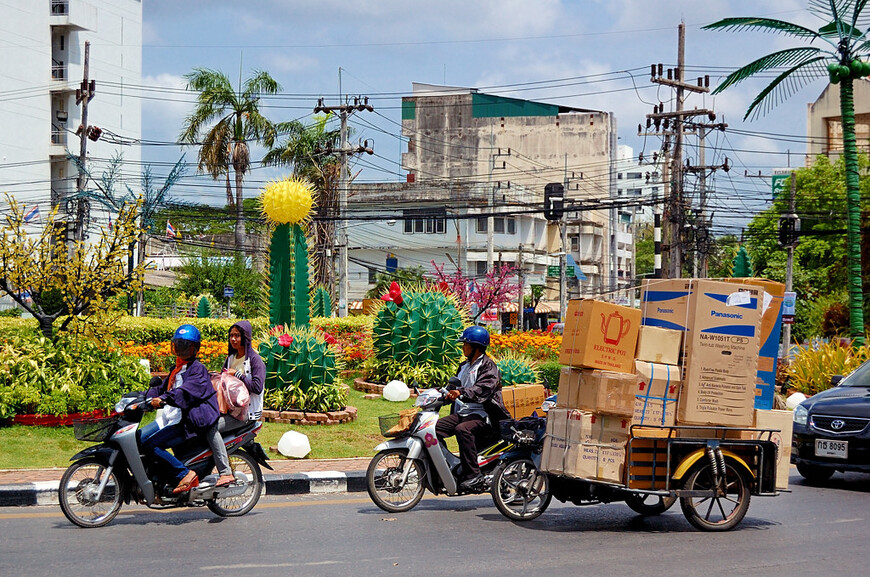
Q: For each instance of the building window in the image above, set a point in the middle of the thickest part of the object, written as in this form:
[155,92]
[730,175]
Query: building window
[373,274]
[634,175]
[481,225]
[481,267]
[425,221]
[500,225]
[575,244]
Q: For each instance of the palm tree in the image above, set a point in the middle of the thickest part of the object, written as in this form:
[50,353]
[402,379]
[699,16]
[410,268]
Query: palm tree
[843,43]
[225,121]
[312,152]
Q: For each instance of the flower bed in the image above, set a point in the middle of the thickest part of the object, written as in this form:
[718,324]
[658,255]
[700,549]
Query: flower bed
[537,345]
[56,420]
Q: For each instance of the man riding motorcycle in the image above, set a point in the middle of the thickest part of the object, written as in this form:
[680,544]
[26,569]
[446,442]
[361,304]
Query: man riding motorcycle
[477,399]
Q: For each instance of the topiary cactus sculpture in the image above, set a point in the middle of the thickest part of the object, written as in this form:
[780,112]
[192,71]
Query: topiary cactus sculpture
[321,304]
[203,308]
[299,357]
[516,369]
[418,330]
[286,204]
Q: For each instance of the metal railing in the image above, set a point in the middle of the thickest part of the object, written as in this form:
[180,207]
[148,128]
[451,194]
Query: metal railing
[59,7]
[58,137]
[58,71]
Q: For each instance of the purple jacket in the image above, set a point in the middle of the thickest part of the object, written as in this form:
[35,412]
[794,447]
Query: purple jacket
[254,383]
[195,397]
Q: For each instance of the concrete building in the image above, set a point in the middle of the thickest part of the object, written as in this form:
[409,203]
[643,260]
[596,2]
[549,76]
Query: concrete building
[472,156]
[42,42]
[825,126]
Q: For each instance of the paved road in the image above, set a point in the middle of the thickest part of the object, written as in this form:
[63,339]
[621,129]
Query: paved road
[809,531]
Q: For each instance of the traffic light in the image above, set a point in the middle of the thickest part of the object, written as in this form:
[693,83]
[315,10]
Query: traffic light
[789,229]
[554,201]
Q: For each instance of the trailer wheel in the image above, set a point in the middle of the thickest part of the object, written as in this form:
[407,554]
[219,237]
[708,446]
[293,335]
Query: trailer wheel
[649,505]
[727,505]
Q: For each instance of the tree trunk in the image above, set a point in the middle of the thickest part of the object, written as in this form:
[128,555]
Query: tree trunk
[45,324]
[240,166]
[853,214]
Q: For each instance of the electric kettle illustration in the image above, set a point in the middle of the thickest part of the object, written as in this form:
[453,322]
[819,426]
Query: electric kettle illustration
[614,327]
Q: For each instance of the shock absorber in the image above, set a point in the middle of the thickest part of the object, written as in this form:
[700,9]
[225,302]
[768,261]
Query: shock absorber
[720,458]
[714,462]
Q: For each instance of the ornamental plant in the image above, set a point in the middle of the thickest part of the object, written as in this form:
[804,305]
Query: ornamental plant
[416,336]
[516,369]
[811,369]
[537,345]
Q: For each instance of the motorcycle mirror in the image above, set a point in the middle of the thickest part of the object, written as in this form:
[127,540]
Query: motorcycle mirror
[454,382]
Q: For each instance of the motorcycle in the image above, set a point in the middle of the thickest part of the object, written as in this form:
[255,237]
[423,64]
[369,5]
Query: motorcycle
[413,460]
[519,490]
[104,476]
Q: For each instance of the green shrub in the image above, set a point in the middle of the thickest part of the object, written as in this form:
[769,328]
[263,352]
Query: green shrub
[320,398]
[549,374]
[424,376]
[811,369]
[11,313]
[67,375]
[516,369]
[143,330]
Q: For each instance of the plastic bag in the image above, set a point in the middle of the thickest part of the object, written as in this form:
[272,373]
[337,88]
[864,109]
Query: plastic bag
[233,396]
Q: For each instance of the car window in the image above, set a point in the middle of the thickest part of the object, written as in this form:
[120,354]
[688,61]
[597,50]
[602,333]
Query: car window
[860,377]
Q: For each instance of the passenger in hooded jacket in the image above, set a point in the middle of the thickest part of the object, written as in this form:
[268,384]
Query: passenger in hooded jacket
[247,366]
[189,408]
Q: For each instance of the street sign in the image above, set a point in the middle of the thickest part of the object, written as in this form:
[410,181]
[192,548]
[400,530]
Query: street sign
[228,292]
[553,271]
[778,179]
[788,306]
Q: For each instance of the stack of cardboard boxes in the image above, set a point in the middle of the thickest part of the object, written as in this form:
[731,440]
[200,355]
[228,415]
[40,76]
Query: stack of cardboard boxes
[522,400]
[689,356]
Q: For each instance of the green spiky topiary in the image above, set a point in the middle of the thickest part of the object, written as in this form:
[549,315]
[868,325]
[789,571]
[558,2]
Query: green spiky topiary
[420,335]
[203,308]
[321,304]
[288,276]
[300,357]
[516,369]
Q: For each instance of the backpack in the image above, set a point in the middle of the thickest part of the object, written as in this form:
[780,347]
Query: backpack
[233,396]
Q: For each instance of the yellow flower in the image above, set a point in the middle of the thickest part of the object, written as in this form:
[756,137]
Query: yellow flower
[287,201]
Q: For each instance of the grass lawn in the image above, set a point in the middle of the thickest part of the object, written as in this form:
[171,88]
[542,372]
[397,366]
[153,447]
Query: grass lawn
[42,447]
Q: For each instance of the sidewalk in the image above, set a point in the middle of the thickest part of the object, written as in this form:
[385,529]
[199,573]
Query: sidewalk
[23,487]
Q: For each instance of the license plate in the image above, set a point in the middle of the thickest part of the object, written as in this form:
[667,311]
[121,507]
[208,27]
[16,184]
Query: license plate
[833,449]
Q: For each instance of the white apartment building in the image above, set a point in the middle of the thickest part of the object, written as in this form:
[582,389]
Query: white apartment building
[43,47]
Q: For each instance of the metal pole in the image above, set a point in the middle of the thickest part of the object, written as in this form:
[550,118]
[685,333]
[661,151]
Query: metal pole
[342,223]
[520,303]
[786,330]
[563,270]
[81,203]
[676,247]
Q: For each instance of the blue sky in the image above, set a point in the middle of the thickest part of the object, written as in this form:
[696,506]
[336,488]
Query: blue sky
[590,54]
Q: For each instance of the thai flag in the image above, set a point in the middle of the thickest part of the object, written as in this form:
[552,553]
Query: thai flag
[170,230]
[32,214]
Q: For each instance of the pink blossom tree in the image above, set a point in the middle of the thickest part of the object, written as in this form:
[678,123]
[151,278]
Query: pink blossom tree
[495,288]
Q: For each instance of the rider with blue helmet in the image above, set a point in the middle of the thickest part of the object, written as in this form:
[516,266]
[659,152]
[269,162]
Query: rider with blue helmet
[477,399]
[188,406]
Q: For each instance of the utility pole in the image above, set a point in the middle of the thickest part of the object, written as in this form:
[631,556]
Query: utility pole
[490,220]
[520,299]
[674,204]
[344,112]
[789,263]
[83,97]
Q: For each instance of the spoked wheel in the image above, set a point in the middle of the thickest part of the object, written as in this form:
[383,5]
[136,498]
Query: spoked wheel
[384,481]
[78,491]
[649,505]
[249,481]
[722,511]
[520,491]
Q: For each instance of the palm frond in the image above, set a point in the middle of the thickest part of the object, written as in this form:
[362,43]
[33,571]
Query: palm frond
[859,20]
[786,84]
[795,57]
[260,83]
[762,25]
[829,9]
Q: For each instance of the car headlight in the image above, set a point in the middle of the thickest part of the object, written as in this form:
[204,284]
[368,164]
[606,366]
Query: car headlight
[800,415]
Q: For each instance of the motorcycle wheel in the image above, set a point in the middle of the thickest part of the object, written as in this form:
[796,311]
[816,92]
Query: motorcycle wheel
[246,471]
[649,505]
[383,481]
[520,492]
[77,493]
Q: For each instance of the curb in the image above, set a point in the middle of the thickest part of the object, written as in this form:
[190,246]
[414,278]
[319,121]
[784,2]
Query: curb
[316,482]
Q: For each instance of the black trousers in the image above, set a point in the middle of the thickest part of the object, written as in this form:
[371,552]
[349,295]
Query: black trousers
[465,429]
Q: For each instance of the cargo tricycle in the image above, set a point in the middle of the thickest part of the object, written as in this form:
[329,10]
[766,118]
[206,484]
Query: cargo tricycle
[712,470]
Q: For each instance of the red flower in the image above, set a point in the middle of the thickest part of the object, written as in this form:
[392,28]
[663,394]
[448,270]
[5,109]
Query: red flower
[394,294]
[329,338]
[285,340]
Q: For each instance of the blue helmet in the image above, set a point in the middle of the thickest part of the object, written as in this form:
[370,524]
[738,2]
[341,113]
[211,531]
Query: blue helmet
[475,335]
[187,333]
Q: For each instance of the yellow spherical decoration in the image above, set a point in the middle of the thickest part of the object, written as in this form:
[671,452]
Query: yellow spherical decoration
[287,201]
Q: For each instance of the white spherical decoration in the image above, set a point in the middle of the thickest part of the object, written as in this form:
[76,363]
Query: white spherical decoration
[294,444]
[145,363]
[396,391]
[794,400]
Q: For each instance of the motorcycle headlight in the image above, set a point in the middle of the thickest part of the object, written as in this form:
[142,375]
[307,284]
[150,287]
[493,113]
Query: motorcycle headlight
[800,415]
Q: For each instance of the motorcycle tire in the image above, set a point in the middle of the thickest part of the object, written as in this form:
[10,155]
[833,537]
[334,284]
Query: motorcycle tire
[383,479]
[520,492]
[77,493]
[247,471]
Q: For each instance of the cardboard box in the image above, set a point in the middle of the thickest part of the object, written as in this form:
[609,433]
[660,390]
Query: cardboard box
[522,400]
[782,421]
[657,389]
[585,445]
[596,391]
[659,345]
[720,345]
[599,335]
[771,327]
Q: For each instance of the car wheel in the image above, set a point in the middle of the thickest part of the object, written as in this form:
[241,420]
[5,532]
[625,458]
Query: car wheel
[814,474]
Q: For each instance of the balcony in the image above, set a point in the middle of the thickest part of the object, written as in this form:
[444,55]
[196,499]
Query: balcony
[73,14]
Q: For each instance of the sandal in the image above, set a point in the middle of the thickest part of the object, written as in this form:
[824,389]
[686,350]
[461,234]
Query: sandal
[225,481]
[187,483]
